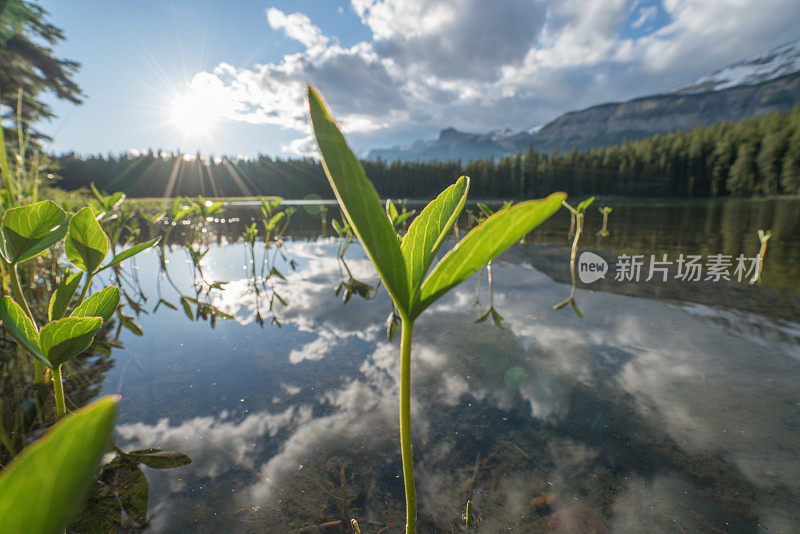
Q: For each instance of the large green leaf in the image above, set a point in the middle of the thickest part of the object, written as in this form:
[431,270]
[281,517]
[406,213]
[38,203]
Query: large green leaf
[100,304]
[62,339]
[86,244]
[32,229]
[20,326]
[62,296]
[484,243]
[360,203]
[134,250]
[426,233]
[44,485]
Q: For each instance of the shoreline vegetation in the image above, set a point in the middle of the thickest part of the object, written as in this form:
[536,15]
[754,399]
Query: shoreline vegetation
[757,157]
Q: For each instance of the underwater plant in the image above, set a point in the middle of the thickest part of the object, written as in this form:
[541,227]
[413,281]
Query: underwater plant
[404,265]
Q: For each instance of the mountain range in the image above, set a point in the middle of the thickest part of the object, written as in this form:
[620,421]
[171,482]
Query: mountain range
[751,87]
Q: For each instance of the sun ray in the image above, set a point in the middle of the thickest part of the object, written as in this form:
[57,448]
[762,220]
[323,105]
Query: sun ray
[173,176]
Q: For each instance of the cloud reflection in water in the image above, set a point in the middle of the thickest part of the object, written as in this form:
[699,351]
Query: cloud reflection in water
[634,407]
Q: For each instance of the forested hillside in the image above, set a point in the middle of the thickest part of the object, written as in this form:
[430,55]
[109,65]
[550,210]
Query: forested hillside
[755,157]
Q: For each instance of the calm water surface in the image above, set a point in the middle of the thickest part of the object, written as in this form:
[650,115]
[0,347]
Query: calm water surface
[670,406]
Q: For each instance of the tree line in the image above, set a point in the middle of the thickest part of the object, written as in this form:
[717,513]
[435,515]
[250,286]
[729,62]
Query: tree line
[755,157]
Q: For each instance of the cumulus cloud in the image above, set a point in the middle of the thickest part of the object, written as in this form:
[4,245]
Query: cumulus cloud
[298,27]
[481,65]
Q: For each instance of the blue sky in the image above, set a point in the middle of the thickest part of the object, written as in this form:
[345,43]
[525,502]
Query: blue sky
[228,78]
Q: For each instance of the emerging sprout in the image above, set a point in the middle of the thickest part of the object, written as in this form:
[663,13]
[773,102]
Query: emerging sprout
[404,265]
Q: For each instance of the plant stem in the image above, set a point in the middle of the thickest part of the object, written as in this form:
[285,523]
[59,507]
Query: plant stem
[19,296]
[85,289]
[405,425]
[58,393]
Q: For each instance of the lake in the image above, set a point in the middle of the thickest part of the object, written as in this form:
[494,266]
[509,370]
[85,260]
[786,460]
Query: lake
[669,406]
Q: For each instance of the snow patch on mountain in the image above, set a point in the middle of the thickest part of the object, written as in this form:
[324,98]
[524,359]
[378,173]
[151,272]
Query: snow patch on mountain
[778,62]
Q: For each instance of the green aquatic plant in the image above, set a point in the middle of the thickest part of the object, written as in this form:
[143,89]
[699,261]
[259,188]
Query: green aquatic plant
[87,245]
[29,230]
[271,215]
[404,265]
[577,214]
[264,282]
[61,339]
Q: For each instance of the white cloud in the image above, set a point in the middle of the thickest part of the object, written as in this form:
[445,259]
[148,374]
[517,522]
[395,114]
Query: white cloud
[298,27]
[302,146]
[480,65]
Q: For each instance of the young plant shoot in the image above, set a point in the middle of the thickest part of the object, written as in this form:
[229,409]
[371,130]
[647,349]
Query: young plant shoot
[404,263]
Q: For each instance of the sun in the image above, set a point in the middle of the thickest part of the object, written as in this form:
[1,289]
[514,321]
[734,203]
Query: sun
[194,114]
